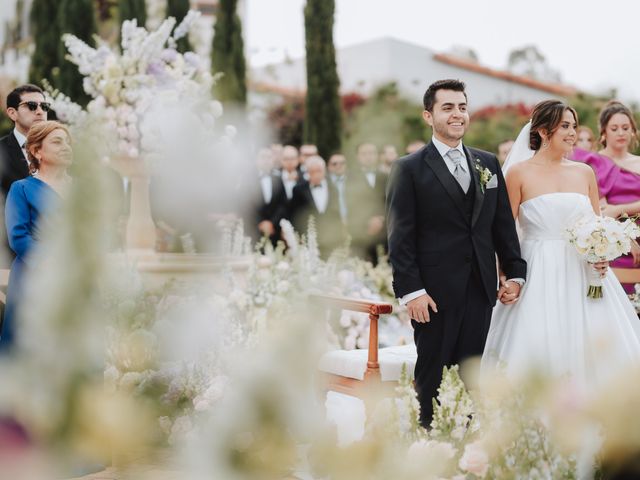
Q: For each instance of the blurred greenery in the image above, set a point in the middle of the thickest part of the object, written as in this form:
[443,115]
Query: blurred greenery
[178,9]
[493,125]
[385,118]
[6,125]
[227,55]
[323,115]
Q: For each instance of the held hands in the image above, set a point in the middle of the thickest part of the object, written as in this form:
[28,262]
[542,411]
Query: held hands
[418,308]
[266,228]
[509,292]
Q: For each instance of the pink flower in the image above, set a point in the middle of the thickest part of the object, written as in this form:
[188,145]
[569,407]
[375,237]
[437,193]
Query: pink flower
[474,460]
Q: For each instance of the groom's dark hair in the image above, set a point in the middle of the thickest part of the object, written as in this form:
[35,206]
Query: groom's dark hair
[429,98]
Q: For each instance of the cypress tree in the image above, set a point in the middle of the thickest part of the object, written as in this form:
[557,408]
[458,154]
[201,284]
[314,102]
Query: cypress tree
[323,118]
[178,9]
[227,55]
[130,9]
[78,18]
[46,36]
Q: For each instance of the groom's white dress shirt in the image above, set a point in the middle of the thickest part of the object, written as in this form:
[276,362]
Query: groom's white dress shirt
[443,149]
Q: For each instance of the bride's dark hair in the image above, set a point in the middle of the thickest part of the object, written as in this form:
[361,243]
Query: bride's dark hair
[547,116]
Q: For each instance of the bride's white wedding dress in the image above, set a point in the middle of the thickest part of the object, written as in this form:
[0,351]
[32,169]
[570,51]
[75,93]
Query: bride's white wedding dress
[554,328]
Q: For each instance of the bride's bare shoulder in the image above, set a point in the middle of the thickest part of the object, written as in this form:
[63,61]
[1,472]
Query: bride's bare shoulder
[579,166]
[518,169]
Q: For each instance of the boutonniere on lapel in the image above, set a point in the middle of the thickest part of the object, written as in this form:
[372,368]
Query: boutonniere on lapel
[484,173]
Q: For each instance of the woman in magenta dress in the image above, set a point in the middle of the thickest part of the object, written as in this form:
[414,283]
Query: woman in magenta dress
[617,171]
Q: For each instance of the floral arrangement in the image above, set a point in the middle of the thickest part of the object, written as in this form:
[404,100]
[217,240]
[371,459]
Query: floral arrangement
[479,438]
[130,88]
[602,239]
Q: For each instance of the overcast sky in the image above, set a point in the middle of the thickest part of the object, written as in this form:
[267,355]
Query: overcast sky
[594,44]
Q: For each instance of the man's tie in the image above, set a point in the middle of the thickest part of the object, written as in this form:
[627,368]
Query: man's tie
[461,175]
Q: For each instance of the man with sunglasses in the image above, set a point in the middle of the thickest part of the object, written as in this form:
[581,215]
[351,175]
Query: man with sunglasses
[25,106]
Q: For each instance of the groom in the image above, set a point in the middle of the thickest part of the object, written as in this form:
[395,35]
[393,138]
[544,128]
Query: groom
[448,216]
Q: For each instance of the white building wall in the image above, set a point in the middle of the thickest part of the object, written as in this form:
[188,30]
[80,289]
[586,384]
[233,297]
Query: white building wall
[364,67]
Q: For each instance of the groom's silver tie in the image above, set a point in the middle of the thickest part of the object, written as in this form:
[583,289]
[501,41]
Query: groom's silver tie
[460,174]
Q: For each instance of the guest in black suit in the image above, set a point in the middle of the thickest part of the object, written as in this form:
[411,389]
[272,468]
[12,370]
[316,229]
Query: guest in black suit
[337,168]
[445,227]
[319,198]
[290,173]
[26,105]
[269,201]
[365,193]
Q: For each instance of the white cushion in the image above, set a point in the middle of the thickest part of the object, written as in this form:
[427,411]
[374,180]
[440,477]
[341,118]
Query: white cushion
[353,363]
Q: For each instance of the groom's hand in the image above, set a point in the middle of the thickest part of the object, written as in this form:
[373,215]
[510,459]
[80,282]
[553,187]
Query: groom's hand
[418,308]
[509,291]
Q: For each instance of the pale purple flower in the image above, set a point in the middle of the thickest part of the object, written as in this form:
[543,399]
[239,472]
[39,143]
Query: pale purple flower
[169,55]
[193,60]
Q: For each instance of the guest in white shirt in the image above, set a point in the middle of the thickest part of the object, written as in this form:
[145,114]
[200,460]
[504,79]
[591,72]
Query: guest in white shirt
[290,174]
[270,201]
[337,168]
[317,198]
[365,203]
[306,151]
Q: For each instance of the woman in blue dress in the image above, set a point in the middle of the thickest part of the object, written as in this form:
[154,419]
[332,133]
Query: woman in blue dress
[49,154]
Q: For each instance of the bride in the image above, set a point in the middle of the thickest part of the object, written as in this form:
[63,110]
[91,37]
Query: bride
[554,329]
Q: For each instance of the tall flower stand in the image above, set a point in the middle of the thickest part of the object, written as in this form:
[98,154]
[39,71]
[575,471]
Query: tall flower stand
[140,237]
[140,241]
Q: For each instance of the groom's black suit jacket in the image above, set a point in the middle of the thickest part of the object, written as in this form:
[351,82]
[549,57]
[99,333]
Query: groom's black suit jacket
[433,243]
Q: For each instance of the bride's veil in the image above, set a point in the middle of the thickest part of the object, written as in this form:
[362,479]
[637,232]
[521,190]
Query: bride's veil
[520,150]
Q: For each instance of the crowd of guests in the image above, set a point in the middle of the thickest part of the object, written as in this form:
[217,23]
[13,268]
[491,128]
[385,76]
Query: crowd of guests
[345,200]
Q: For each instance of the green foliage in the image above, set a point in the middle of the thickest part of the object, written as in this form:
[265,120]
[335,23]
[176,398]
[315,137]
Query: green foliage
[6,125]
[69,14]
[588,108]
[287,119]
[178,9]
[492,125]
[130,9]
[227,55]
[323,118]
[44,62]
[384,118]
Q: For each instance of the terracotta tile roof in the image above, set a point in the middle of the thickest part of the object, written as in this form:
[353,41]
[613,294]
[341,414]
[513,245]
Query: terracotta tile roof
[555,88]
[265,87]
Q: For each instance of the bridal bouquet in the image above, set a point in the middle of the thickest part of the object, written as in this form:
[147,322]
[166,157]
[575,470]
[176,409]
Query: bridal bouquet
[602,239]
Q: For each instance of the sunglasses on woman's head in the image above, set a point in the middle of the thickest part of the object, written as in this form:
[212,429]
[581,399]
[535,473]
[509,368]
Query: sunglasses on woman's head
[33,106]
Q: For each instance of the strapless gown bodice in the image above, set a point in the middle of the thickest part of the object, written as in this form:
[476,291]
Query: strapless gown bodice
[547,216]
